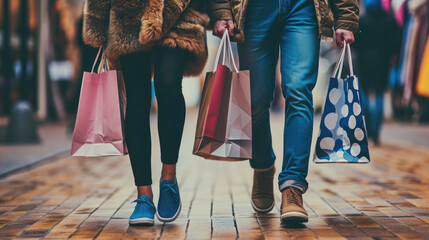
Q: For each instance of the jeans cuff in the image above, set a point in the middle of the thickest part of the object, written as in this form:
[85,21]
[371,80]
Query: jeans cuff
[294,184]
[264,165]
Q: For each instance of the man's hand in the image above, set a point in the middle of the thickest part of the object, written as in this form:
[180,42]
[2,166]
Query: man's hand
[220,26]
[342,35]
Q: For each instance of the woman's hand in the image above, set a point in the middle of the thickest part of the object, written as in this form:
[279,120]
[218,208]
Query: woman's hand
[220,26]
[344,35]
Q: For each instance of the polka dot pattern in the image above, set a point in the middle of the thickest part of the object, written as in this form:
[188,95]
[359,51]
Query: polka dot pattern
[340,131]
[330,121]
[355,84]
[342,136]
[345,110]
[352,122]
[350,96]
[334,95]
[355,150]
[356,109]
[359,135]
[327,143]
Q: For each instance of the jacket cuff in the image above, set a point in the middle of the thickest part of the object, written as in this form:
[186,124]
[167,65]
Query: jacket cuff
[347,25]
[221,14]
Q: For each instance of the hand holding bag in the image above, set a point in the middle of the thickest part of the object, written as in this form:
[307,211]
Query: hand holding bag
[99,129]
[224,127]
[343,137]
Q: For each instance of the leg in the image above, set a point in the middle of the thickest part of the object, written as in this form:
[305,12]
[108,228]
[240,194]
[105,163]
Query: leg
[366,105]
[169,67]
[137,74]
[299,45]
[259,54]
[378,115]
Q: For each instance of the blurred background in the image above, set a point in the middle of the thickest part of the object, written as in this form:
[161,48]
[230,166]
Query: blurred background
[42,58]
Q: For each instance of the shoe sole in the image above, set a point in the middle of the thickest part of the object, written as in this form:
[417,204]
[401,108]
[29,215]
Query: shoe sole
[142,221]
[172,218]
[294,217]
[263,211]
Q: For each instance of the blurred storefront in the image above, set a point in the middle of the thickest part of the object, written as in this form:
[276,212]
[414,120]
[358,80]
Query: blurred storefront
[39,55]
[413,16]
[42,57]
[18,41]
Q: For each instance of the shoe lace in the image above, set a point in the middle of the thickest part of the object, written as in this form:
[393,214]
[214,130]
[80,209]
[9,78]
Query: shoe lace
[170,188]
[143,201]
[293,196]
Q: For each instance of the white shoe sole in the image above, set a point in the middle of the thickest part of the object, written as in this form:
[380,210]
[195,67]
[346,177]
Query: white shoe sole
[263,211]
[294,217]
[172,218]
[141,221]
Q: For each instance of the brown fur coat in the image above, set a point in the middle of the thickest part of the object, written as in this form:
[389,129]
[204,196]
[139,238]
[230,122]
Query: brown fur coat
[127,26]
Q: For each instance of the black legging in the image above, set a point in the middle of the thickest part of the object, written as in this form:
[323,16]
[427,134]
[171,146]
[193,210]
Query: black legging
[169,66]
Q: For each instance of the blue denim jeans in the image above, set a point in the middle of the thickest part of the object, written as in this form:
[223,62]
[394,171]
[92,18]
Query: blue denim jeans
[291,26]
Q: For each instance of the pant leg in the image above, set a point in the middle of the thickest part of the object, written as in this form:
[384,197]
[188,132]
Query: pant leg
[169,67]
[367,109]
[378,113]
[259,54]
[299,44]
[136,68]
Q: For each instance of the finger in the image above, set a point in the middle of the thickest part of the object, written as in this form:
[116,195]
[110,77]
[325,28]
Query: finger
[339,39]
[231,28]
[216,31]
[347,39]
[222,30]
[350,39]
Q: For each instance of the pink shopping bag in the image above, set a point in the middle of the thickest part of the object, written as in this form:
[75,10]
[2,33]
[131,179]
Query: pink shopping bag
[99,129]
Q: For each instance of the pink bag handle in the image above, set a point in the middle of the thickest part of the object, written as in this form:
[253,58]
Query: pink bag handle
[96,59]
[104,65]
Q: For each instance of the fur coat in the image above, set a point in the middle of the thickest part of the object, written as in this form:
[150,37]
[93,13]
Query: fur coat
[127,26]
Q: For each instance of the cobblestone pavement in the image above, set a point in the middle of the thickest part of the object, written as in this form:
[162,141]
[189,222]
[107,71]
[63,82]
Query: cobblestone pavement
[89,198]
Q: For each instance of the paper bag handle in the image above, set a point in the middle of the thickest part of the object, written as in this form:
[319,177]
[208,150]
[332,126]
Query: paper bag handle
[104,66]
[339,65]
[226,50]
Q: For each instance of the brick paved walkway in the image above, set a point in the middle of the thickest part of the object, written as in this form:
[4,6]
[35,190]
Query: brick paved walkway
[91,198]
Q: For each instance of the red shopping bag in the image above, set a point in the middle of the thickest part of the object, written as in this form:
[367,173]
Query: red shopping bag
[219,97]
[99,129]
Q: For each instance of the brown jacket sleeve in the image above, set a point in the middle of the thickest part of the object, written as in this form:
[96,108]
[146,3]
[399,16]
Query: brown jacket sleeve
[346,13]
[96,22]
[219,10]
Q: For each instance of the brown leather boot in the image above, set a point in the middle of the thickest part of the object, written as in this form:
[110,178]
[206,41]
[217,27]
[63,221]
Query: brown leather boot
[262,191]
[292,210]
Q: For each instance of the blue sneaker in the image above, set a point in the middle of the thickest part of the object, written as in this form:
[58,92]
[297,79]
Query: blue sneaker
[169,204]
[143,212]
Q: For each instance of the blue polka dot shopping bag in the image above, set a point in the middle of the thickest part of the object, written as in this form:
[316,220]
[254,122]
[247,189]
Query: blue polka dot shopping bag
[343,137]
